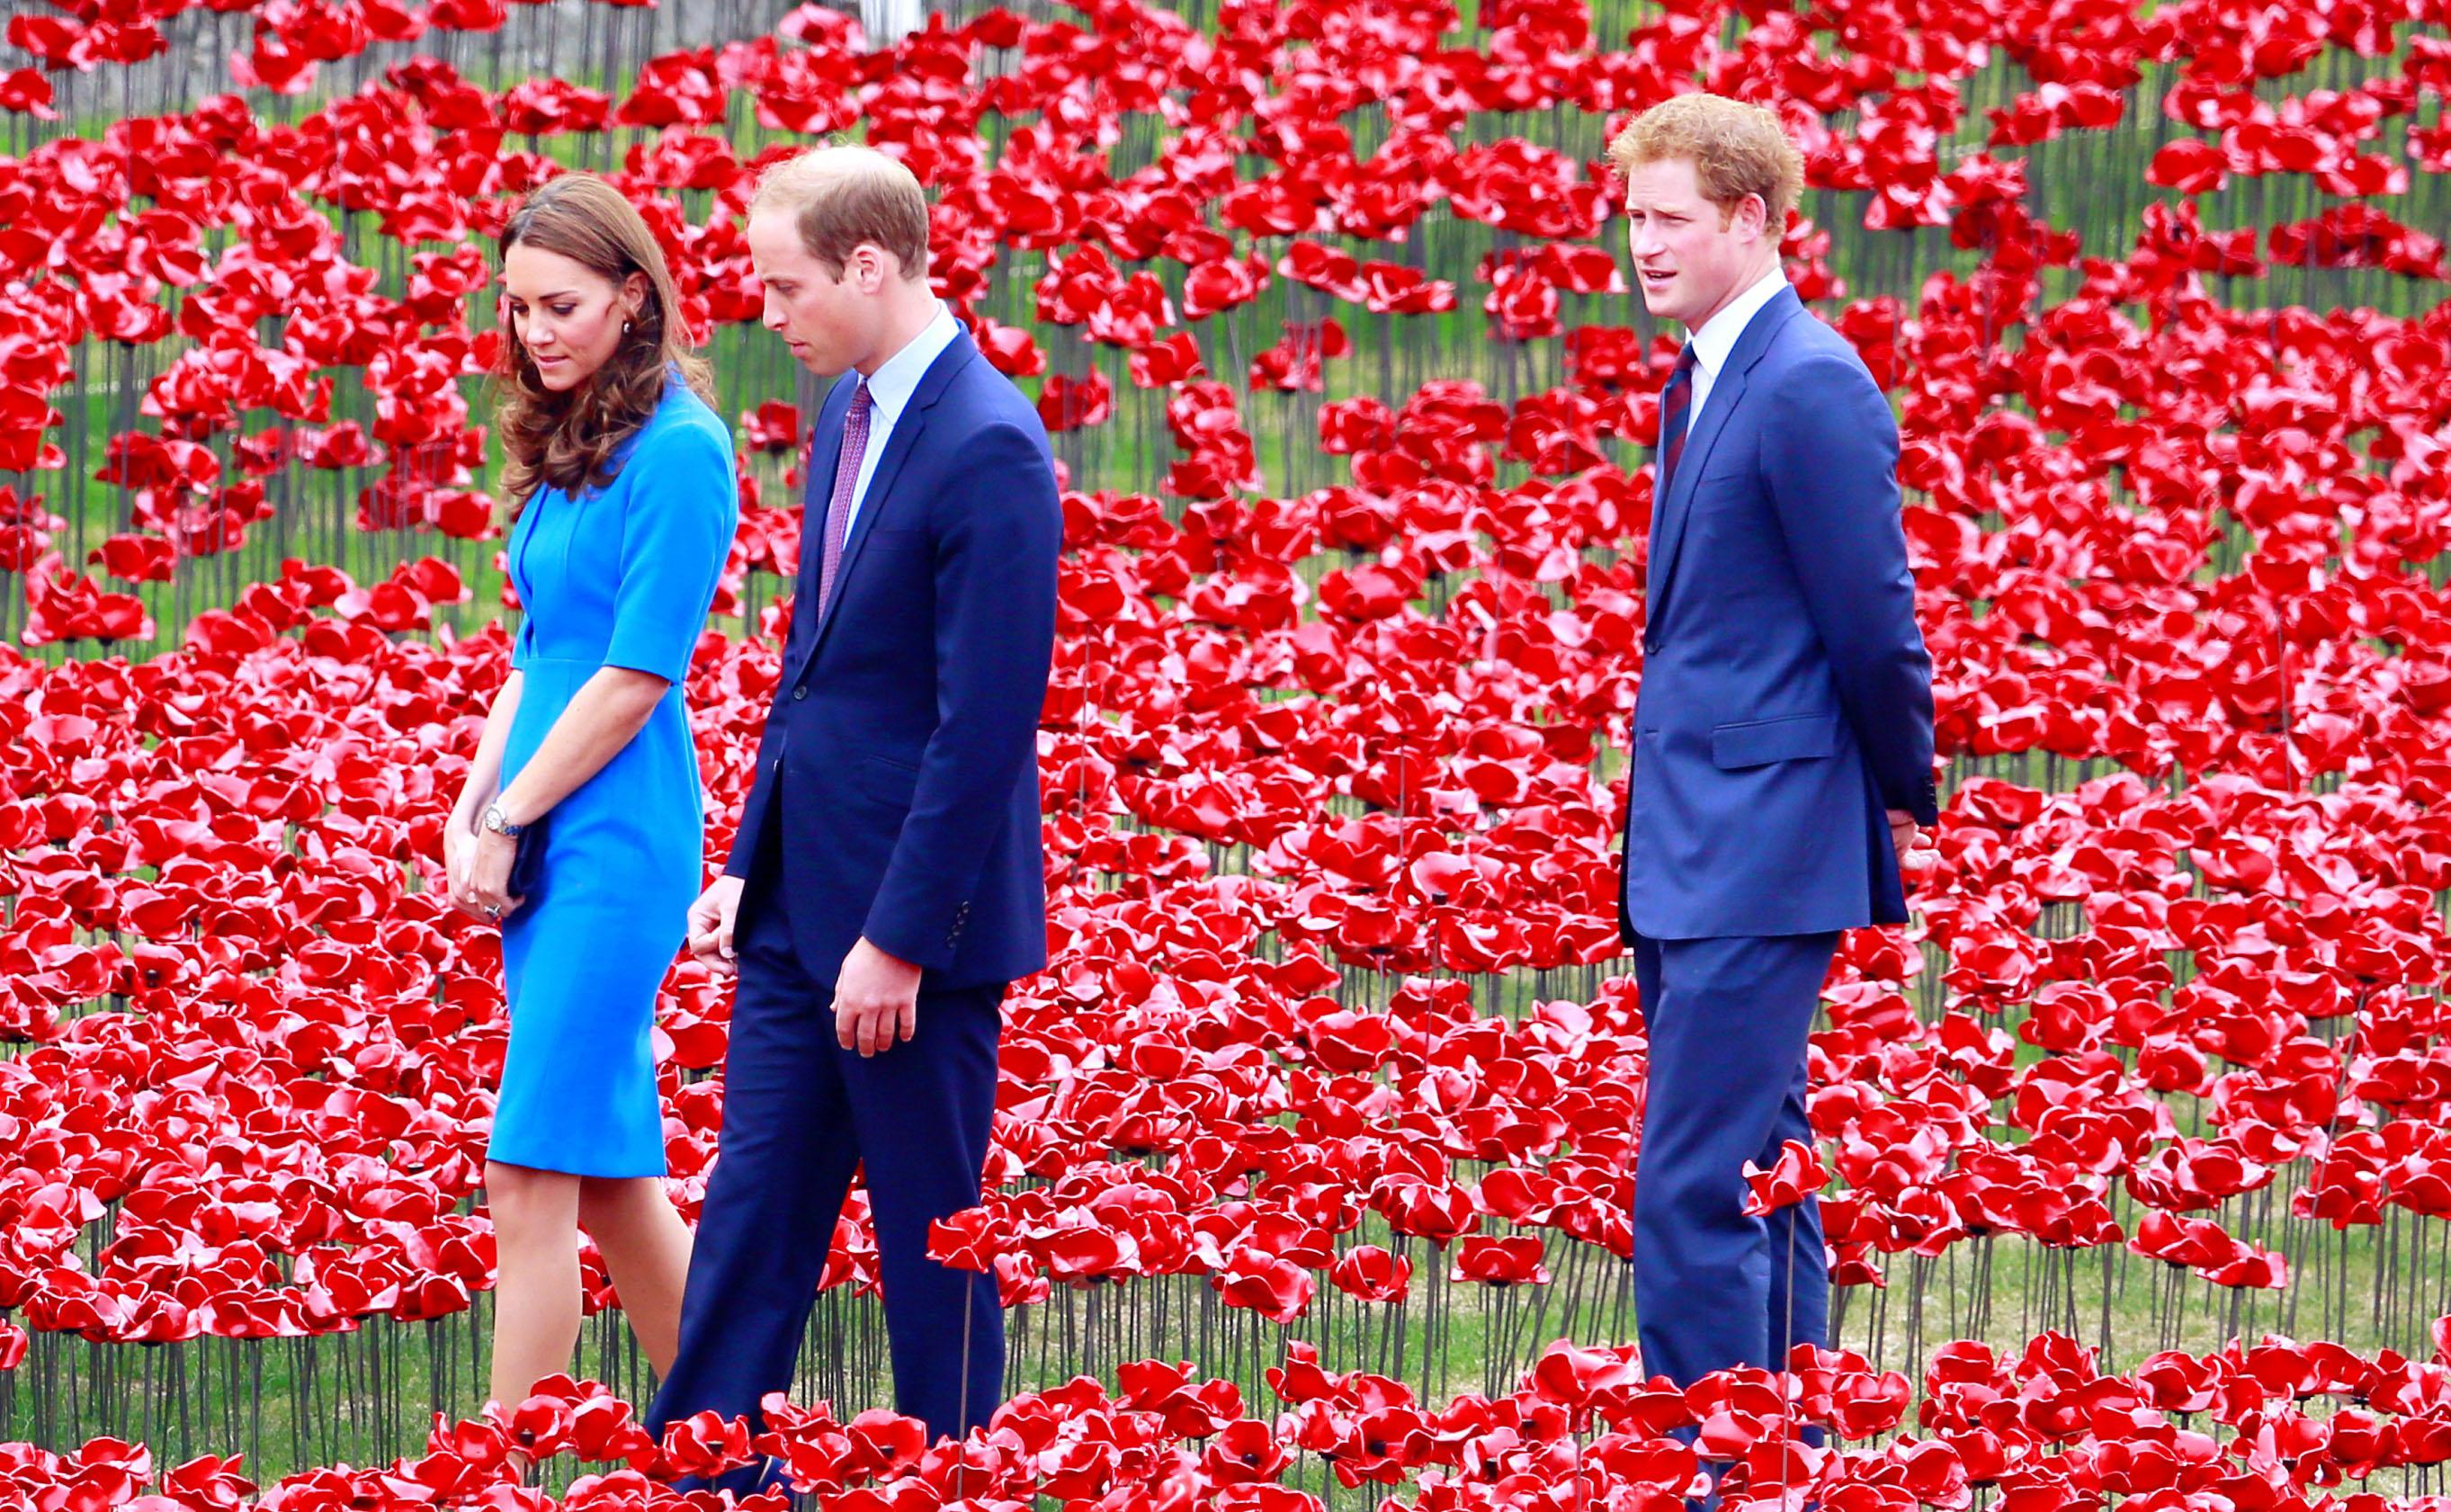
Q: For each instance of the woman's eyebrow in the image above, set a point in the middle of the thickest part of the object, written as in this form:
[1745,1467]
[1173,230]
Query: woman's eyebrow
[560,293]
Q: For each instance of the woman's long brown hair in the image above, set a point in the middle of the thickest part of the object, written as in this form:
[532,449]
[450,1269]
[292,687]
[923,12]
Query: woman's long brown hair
[568,438]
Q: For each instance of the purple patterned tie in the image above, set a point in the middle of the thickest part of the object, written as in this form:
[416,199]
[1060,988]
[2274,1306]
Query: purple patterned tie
[855,447]
[1676,409]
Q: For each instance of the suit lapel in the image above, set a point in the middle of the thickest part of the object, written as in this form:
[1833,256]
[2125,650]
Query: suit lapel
[1727,395]
[908,427]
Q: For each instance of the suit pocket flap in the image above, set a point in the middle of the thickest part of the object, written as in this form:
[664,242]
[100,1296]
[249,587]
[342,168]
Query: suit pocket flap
[886,780]
[1757,742]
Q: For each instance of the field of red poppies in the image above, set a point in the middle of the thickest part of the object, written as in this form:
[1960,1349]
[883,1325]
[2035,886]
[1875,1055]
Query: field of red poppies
[1316,1142]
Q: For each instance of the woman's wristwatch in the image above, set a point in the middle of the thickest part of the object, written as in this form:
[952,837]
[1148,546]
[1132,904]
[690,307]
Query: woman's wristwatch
[499,822]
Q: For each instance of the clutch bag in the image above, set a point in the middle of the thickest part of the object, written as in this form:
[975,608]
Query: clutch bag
[527,863]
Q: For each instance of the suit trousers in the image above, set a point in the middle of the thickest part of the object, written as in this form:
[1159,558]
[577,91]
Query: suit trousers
[1728,1020]
[800,1113]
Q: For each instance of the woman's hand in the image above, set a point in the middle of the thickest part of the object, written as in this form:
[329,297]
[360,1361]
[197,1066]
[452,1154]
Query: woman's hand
[489,876]
[458,859]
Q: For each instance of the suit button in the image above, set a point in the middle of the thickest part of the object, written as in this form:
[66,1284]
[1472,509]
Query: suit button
[799,693]
[1650,646]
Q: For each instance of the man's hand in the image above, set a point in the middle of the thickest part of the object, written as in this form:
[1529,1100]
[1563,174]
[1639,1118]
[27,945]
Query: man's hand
[876,1001]
[1909,838]
[709,925]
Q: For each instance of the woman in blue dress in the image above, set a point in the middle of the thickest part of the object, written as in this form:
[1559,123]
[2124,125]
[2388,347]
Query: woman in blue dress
[623,502]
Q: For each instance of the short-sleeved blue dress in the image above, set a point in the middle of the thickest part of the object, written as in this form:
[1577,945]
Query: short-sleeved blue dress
[622,576]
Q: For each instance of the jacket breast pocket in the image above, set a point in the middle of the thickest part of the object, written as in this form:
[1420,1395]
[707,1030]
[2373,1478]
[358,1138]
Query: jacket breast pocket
[1759,742]
[893,571]
[1728,467]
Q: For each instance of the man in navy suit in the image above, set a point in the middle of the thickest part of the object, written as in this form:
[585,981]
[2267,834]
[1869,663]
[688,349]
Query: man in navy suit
[886,880]
[1781,759]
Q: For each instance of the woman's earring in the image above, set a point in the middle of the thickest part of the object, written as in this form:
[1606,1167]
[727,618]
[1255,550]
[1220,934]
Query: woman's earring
[625,327]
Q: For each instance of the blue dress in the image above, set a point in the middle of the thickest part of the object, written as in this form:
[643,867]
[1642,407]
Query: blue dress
[619,576]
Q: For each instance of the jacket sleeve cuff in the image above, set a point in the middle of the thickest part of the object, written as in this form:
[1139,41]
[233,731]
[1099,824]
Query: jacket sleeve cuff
[907,940]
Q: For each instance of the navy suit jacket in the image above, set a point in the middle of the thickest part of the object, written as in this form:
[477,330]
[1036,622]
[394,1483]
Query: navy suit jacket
[1786,695]
[898,769]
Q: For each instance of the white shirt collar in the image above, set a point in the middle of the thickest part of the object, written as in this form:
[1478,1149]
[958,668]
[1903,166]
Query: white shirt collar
[1721,333]
[897,378]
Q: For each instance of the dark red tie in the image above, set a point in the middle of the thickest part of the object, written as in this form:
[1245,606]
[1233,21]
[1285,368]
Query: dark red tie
[1675,408]
[855,447]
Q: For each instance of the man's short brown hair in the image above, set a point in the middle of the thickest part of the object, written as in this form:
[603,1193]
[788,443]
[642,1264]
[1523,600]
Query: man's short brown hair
[1735,149]
[842,196]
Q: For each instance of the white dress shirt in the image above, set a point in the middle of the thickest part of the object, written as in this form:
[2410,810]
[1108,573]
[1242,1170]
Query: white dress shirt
[889,393]
[1719,334]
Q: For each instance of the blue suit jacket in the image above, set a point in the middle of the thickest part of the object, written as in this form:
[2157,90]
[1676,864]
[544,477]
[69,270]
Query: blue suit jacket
[1786,696]
[898,769]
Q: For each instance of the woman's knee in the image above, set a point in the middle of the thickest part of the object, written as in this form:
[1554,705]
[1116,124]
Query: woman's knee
[521,1200]
[616,1199]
